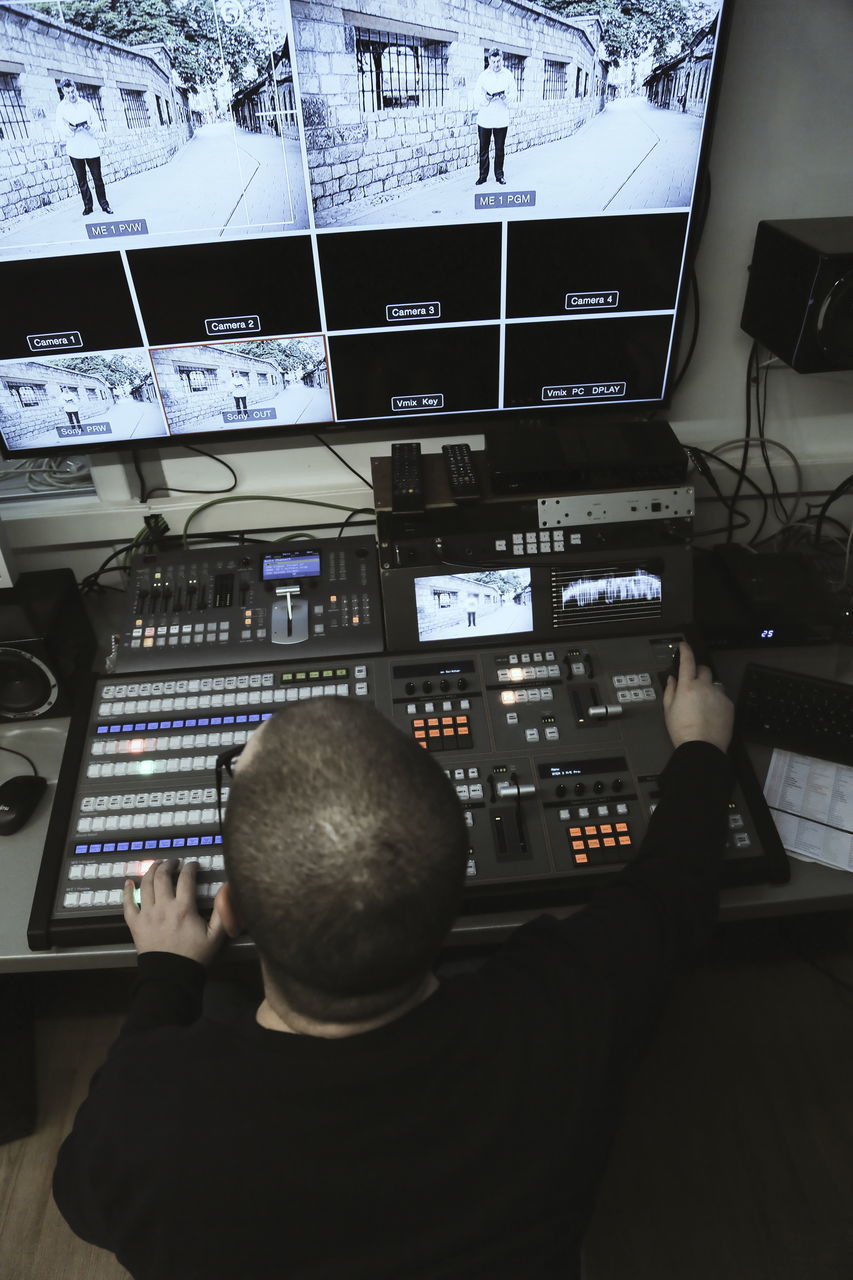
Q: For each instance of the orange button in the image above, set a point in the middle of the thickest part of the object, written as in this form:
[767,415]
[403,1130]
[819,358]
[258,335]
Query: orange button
[605,828]
[581,859]
[591,831]
[621,826]
[593,844]
[577,844]
[609,842]
[624,839]
[575,831]
[462,730]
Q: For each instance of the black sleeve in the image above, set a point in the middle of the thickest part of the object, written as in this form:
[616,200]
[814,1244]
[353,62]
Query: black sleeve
[615,957]
[167,992]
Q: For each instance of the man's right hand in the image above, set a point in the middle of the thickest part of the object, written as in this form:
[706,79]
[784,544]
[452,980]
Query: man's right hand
[695,708]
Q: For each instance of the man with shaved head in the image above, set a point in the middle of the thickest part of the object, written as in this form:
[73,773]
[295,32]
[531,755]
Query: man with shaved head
[371,1118]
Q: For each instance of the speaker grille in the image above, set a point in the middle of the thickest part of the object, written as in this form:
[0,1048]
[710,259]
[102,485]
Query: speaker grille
[27,687]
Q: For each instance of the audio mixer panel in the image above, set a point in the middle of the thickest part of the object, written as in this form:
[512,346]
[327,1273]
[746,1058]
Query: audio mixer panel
[214,606]
[554,754]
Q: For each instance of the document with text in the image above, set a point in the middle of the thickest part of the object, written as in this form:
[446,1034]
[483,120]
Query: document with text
[811,802]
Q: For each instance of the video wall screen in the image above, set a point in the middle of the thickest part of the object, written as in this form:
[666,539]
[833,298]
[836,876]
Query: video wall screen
[253,216]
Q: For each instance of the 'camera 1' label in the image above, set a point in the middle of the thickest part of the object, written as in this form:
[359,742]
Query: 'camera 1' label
[54,341]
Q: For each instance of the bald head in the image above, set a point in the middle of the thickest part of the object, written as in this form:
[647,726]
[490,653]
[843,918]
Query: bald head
[345,849]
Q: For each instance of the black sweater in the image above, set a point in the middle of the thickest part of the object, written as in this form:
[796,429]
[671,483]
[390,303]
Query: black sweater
[463,1141]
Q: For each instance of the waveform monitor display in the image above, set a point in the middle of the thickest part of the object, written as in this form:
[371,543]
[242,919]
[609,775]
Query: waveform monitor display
[607,595]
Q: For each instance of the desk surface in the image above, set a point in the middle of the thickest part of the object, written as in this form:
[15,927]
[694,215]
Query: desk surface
[811,887]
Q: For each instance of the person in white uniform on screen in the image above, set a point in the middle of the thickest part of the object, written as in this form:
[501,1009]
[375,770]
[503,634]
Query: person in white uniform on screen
[77,126]
[238,390]
[495,93]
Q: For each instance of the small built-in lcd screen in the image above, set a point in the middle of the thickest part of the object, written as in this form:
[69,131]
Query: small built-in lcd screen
[474,606]
[280,566]
[606,595]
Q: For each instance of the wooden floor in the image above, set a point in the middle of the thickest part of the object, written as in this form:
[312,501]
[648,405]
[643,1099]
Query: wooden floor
[734,1162]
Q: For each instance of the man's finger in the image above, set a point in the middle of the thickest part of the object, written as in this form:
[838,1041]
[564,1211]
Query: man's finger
[686,662]
[185,890]
[131,910]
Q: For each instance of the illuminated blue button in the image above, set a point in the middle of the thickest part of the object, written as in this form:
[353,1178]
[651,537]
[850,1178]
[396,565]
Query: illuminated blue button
[115,728]
[190,724]
[240,719]
[123,846]
[109,848]
[202,723]
[150,844]
[102,728]
[164,844]
[255,718]
[178,842]
[142,725]
[166,724]
[94,848]
[136,845]
[192,840]
[216,719]
[217,839]
[127,728]
[227,719]
[81,848]
[207,839]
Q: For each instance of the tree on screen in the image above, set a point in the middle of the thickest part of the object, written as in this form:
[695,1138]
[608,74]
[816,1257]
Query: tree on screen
[117,370]
[633,28]
[189,30]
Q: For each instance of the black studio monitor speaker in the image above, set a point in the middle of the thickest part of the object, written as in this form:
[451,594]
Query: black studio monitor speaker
[46,644]
[799,299]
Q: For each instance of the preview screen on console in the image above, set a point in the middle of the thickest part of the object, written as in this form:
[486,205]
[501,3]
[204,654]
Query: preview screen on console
[262,215]
[473,606]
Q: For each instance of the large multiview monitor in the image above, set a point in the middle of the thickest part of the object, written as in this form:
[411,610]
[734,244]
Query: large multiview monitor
[247,217]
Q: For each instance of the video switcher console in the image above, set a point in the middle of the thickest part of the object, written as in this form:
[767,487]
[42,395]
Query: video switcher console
[554,753]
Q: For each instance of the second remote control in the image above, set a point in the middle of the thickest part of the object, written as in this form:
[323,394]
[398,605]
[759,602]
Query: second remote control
[461,473]
[407,477]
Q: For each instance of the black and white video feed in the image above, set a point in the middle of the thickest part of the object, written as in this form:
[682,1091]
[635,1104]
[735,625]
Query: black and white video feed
[222,386]
[49,401]
[512,111]
[136,124]
[474,606]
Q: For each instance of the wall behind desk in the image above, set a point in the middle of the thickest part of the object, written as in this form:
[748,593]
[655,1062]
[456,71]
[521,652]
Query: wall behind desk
[780,151]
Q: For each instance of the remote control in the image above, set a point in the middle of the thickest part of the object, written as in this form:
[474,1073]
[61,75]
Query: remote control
[461,475]
[407,477]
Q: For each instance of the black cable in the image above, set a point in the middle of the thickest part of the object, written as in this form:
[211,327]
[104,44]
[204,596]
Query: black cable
[23,757]
[694,337]
[361,511]
[699,456]
[747,435]
[202,492]
[335,453]
[838,492]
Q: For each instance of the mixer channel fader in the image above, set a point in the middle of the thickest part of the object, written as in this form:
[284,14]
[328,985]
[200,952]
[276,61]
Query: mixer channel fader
[554,755]
[218,605]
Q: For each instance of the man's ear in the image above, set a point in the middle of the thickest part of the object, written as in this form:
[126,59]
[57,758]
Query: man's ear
[224,905]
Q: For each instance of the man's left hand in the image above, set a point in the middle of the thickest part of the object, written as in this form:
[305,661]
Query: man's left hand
[167,918]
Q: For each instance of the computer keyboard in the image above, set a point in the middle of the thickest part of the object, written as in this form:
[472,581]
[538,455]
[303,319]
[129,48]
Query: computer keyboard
[797,712]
